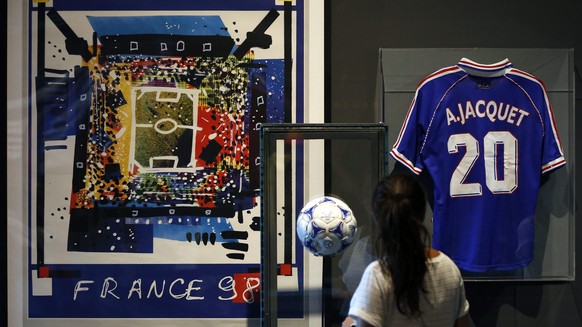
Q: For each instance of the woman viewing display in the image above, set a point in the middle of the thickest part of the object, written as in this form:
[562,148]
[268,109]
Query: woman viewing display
[411,284]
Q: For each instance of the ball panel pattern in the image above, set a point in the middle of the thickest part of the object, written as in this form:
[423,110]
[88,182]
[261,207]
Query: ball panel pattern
[326,226]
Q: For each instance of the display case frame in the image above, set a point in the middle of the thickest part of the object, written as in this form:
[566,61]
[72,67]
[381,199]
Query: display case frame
[399,72]
[271,136]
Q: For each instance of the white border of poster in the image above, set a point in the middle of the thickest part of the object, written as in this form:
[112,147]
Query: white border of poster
[19,175]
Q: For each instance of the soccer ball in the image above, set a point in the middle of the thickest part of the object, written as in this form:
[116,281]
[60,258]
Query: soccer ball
[326,226]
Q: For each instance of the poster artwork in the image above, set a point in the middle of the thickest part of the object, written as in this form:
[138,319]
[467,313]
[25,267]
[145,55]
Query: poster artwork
[146,171]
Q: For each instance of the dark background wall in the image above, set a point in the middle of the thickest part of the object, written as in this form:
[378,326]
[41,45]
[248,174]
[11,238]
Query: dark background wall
[357,29]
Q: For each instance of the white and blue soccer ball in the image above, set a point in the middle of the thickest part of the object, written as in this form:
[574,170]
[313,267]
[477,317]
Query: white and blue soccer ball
[326,226]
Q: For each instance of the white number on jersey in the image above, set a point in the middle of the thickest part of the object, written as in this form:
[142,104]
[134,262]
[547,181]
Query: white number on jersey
[492,142]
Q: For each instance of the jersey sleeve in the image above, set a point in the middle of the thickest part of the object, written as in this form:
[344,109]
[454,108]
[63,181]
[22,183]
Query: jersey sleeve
[406,149]
[552,154]
[409,145]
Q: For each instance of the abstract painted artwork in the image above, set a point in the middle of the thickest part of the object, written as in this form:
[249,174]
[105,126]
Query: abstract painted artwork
[146,154]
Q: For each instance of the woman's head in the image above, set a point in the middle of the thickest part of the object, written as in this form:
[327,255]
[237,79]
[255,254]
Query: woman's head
[399,206]
[399,194]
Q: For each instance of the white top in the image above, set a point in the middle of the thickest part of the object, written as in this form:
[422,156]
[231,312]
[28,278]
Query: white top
[445,301]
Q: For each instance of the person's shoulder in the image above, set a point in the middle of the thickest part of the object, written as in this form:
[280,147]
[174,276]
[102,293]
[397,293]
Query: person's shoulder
[442,259]
[445,262]
[375,264]
[373,267]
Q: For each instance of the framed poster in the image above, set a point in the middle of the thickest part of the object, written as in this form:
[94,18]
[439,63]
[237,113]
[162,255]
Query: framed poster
[137,146]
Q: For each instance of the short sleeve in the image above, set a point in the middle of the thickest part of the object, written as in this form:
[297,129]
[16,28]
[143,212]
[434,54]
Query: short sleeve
[552,153]
[369,300]
[406,149]
[463,303]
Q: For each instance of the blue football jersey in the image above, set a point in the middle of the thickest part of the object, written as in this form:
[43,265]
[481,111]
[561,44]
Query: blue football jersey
[485,134]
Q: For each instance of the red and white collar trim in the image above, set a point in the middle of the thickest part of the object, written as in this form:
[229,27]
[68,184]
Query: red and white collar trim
[485,70]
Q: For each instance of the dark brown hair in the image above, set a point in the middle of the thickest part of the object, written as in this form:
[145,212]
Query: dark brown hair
[399,205]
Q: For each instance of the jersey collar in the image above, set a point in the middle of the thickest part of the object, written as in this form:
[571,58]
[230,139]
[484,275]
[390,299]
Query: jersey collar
[485,70]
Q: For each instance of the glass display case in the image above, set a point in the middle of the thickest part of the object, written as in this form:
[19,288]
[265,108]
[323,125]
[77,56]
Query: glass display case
[297,163]
[399,73]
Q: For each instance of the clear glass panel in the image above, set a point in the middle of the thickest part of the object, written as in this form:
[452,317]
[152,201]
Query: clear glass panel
[298,286]
[400,71]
